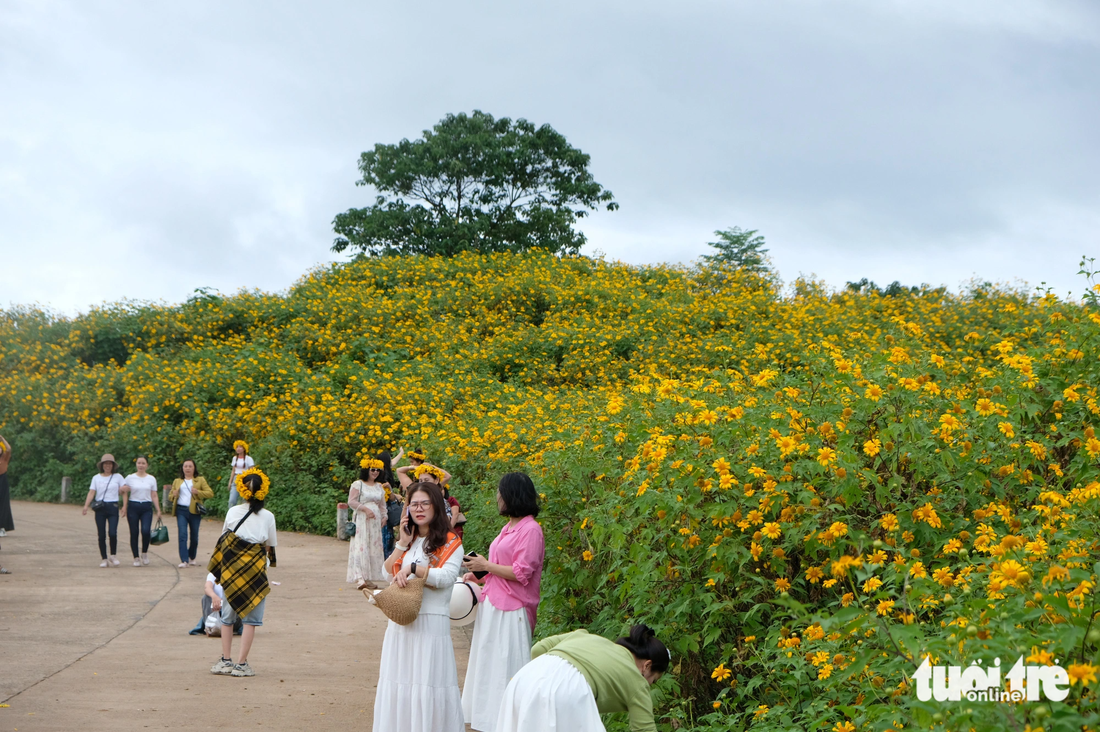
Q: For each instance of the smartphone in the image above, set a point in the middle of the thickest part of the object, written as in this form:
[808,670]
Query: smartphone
[480,574]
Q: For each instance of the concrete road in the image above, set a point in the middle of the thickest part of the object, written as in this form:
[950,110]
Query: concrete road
[84,648]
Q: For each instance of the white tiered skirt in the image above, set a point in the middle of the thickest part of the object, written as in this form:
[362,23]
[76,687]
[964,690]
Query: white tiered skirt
[417,680]
[500,647]
[549,695]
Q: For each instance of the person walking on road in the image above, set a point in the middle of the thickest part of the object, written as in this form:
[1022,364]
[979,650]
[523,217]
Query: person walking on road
[139,504]
[6,523]
[104,489]
[187,494]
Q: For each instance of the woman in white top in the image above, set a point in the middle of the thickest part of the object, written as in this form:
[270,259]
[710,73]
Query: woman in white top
[367,500]
[105,488]
[418,683]
[241,462]
[139,503]
[240,564]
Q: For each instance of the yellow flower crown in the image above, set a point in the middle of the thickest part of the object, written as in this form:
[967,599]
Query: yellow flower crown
[416,456]
[370,463]
[246,493]
[421,469]
[240,443]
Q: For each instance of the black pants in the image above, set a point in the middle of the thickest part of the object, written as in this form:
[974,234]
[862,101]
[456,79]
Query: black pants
[140,512]
[6,522]
[106,523]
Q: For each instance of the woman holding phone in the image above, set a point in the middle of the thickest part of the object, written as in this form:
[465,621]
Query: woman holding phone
[501,643]
[418,684]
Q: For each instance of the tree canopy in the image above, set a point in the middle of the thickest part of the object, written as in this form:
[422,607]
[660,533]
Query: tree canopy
[743,249]
[473,183]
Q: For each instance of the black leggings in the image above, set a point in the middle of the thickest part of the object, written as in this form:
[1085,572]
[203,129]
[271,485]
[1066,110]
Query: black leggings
[140,511]
[106,523]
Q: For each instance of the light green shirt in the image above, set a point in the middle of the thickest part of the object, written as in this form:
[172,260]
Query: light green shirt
[610,672]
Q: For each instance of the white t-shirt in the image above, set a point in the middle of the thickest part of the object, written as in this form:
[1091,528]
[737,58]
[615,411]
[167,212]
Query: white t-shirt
[257,529]
[217,588]
[142,490]
[185,493]
[239,465]
[106,487]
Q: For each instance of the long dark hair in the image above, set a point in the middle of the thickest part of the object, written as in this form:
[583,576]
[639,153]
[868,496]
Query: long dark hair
[254,483]
[643,644]
[440,526]
[189,460]
[387,467]
[520,498]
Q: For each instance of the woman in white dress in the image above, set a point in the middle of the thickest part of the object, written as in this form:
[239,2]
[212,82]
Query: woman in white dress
[367,500]
[417,681]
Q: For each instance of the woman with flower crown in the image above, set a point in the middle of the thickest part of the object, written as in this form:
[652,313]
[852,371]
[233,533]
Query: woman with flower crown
[239,564]
[367,500]
[241,462]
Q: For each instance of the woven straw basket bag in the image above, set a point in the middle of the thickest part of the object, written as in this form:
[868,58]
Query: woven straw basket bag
[400,604]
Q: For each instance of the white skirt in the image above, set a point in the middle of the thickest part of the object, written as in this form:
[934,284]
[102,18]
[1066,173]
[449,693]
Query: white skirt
[417,680]
[501,646]
[549,695]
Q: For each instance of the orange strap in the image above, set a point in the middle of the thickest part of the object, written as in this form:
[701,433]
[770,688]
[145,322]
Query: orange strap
[437,558]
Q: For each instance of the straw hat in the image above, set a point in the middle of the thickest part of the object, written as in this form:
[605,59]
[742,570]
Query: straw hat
[108,458]
[400,604]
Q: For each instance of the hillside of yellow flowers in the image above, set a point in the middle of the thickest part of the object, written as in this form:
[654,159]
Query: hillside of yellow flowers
[806,492]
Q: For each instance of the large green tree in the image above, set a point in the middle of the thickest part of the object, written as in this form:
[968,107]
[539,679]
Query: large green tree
[473,183]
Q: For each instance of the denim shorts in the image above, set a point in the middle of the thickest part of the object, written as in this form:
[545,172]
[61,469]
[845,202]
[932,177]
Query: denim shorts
[254,617]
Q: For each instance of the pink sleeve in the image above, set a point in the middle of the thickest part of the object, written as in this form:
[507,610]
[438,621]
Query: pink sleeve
[528,555]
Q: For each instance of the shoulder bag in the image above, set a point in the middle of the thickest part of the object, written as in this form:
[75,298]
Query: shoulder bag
[349,525]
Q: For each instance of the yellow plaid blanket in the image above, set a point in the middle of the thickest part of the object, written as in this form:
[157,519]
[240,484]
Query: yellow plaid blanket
[242,571]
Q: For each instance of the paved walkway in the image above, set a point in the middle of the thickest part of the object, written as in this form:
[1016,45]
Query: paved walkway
[84,648]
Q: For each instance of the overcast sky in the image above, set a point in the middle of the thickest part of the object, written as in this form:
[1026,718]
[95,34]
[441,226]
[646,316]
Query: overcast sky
[151,148]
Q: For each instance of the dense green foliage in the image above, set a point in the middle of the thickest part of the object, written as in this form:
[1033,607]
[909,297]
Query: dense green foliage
[803,492]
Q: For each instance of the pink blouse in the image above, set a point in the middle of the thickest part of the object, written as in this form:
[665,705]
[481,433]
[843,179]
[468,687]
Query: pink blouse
[521,547]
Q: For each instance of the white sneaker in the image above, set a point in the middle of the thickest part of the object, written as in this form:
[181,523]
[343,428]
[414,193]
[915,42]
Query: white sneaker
[103,563]
[223,667]
[114,560]
[3,533]
[181,565]
[137,562]
[145,559]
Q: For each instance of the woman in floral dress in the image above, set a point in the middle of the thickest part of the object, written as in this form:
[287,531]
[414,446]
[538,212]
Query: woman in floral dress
[367,500]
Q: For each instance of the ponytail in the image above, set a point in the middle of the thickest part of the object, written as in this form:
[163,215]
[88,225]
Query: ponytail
[643,643]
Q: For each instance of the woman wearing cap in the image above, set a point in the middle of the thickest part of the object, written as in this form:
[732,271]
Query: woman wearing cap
[187,494]
[139,504]
[367,500]
[501,643]
[575,677]
[105,487]
[240,564]
[240,462]
[418,684]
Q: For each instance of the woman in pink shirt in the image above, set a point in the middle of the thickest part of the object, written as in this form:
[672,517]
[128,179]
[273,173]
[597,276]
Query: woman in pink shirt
[506,617]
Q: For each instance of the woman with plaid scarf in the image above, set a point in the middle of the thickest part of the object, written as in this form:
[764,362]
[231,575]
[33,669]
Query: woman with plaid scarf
[240,564]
